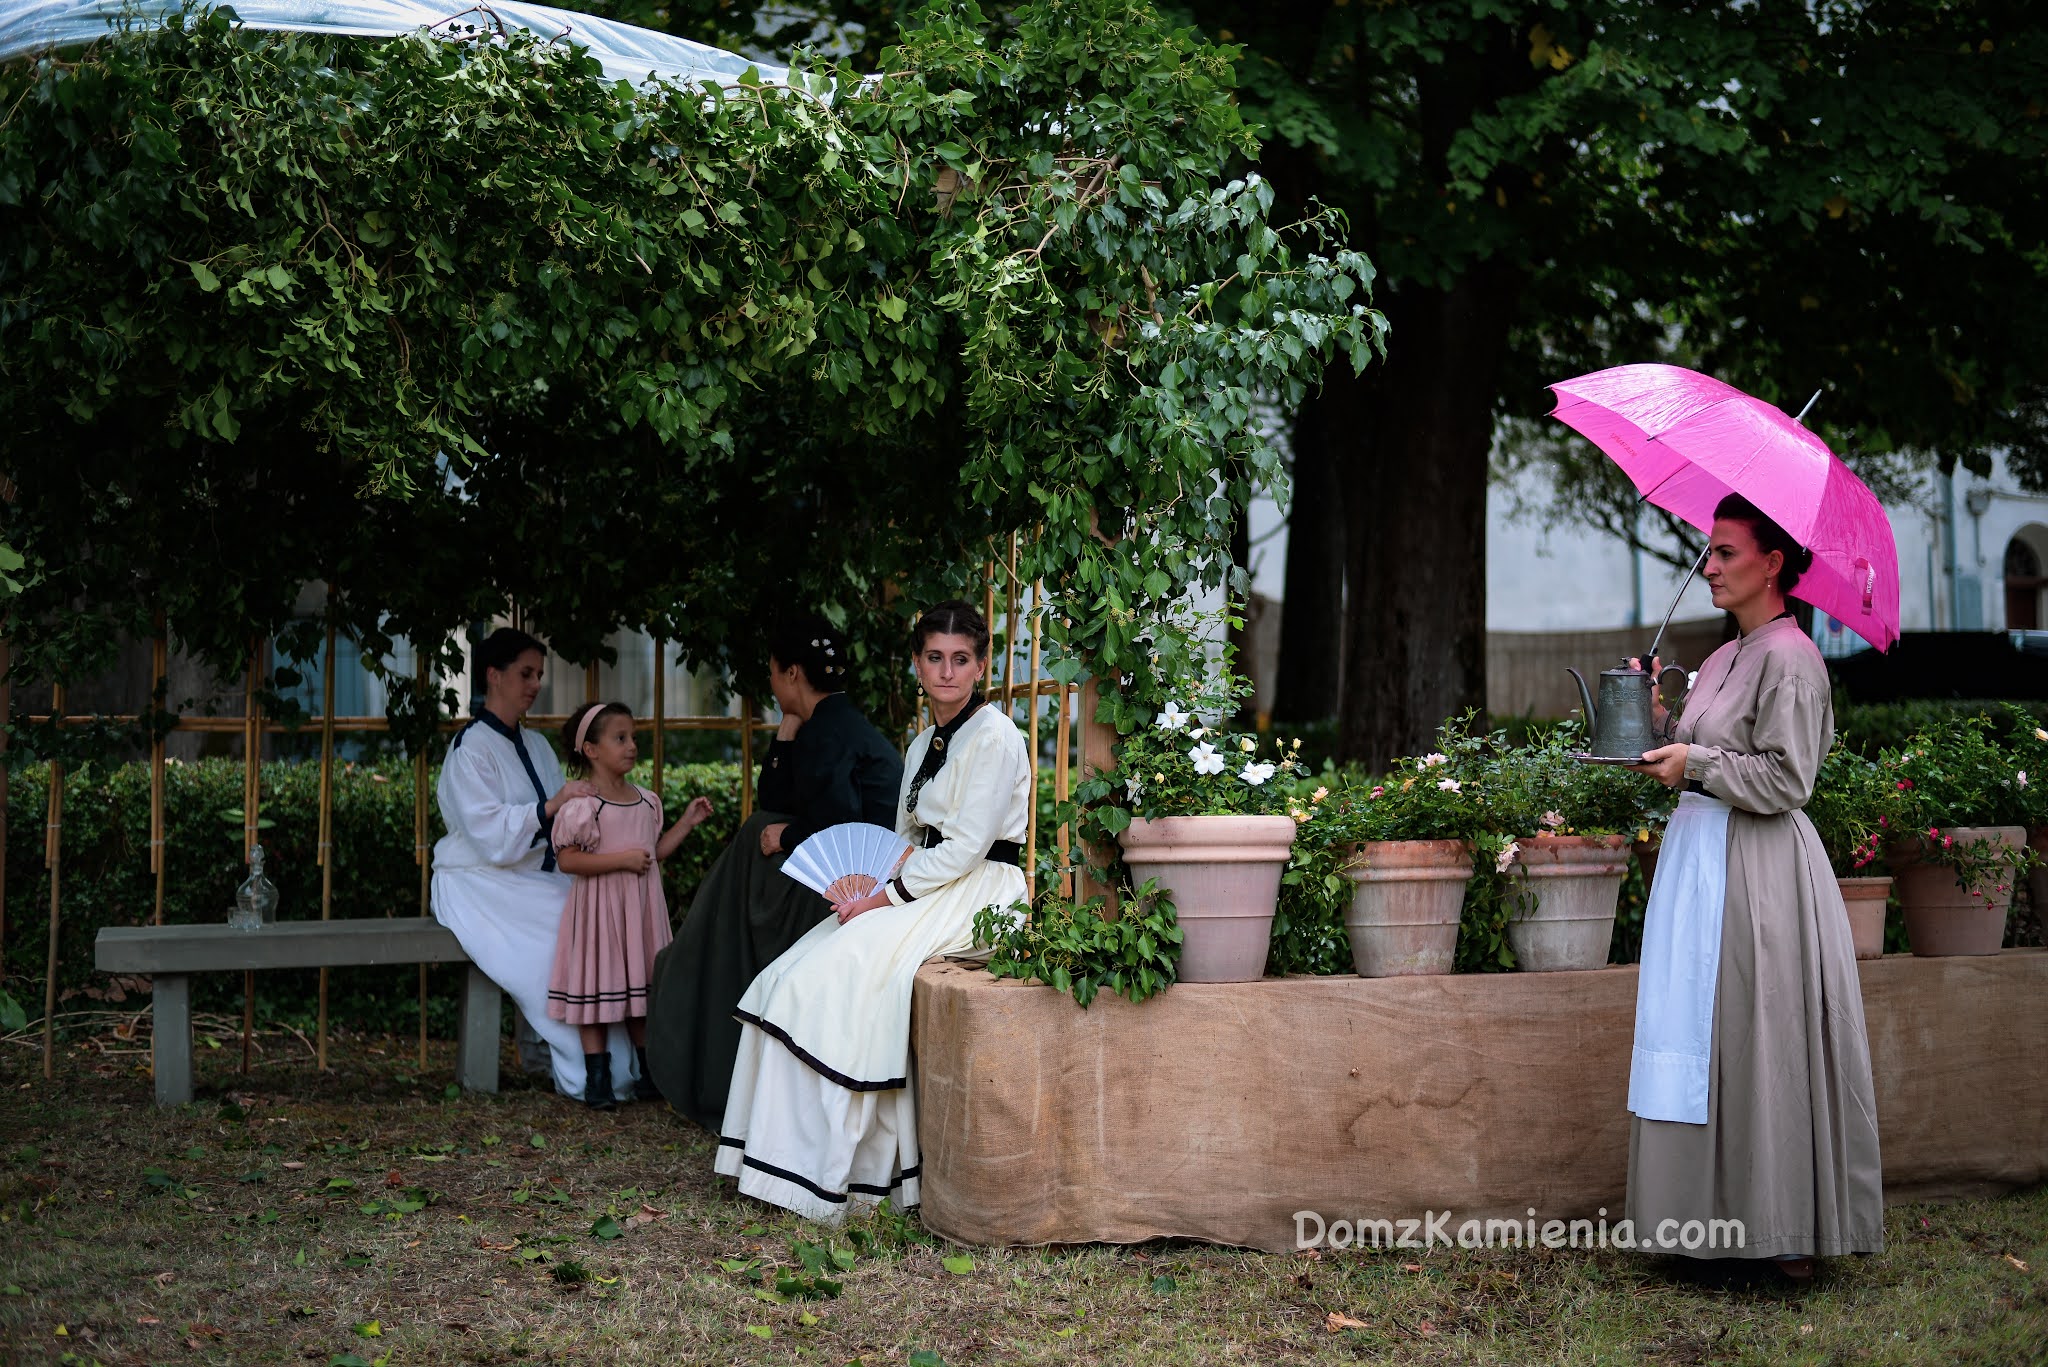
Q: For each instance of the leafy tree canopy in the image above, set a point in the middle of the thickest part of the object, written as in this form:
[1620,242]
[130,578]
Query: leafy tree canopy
[1845,194]
[446,322]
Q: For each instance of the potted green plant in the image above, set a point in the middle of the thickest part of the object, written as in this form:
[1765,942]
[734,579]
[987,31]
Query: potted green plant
[1209,822]
[1956,803]
[1849,809]
[1571,866]
[1409,841]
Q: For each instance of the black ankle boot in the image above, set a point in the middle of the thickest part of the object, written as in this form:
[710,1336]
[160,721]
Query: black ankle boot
[597,1082]
[644,1089]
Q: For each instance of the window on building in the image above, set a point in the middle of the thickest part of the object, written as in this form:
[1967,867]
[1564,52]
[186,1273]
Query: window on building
[2024,583]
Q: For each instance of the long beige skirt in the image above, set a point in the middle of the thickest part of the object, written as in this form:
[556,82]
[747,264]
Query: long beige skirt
[1789,1148]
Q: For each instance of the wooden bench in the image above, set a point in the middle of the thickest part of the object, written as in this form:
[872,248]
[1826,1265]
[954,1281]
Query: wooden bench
[171,954]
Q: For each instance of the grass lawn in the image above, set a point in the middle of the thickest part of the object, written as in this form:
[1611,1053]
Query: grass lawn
[366,1216]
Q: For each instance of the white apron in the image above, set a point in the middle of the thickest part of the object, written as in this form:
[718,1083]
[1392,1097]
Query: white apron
[1681,961]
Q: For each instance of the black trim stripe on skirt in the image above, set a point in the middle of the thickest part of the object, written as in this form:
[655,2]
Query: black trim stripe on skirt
[597,998]
[822,1069]
[838,1197]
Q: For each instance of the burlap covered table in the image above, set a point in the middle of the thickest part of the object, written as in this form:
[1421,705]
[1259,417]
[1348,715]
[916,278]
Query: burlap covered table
[1218,1111]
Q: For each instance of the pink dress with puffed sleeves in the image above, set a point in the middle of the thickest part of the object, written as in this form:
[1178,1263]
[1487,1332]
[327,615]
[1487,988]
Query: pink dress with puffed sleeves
[615,923]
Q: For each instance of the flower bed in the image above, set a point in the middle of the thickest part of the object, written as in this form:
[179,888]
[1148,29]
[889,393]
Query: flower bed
[1495,793]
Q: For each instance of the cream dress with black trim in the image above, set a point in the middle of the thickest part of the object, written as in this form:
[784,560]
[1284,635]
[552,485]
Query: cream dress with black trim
[823,1111]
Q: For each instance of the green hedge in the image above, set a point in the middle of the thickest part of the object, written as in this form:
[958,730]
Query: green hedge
[106,879]
[1869,727]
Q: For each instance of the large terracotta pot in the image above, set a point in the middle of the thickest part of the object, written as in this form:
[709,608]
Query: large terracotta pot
[1405,900]
[1865,899]
[1223,873]
[1943,917]
[1575,881]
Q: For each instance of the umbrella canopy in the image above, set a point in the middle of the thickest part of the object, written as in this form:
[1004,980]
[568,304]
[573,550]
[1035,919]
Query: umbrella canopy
[627,53]
[1687,441]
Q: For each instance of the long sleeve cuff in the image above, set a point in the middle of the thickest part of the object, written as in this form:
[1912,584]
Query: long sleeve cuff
[1699,762]
[546,820]
[898,894]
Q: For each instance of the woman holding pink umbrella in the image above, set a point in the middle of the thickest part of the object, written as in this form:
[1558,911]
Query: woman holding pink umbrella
[1750,1080]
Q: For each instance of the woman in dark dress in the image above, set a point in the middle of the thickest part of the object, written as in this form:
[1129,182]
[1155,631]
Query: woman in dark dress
[826,765]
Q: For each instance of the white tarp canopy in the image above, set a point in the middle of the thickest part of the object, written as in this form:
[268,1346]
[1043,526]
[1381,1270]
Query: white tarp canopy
[627,53]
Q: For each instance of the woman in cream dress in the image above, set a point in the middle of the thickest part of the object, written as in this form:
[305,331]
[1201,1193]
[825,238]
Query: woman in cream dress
[823,1111]
[1750,1080]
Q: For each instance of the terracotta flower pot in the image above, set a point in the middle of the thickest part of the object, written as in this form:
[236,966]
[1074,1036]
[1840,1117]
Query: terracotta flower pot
[1646,855]
[1945,918]
[1405,900]
[1223,873]
[1865,899]
[1576,884]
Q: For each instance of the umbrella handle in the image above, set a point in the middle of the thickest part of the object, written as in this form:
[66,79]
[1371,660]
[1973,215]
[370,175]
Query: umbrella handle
[1673,610]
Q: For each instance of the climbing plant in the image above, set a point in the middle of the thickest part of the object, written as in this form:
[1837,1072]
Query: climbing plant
[447,321]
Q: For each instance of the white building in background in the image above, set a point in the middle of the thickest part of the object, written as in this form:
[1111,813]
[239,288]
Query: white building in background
[1973,556]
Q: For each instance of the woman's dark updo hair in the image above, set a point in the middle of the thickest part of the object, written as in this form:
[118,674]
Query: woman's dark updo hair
[573,758]
[814,646]
[1769,537]
[951,618]
[499,649]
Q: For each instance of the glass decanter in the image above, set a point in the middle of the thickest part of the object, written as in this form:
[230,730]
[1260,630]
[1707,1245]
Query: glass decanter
[256,899]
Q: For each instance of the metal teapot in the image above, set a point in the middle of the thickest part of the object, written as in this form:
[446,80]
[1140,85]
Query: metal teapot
[1621,727]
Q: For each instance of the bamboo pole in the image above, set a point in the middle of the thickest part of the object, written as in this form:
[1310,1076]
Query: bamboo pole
[1062,784]
[252,787]
[746,759]
[419,836]
[988,588]
[252,754]
[209,726]
[590,682]
[159,669]
[1098,755]
[53,851]
[325,853]
[660,719]
[1031,822]
[1010,634]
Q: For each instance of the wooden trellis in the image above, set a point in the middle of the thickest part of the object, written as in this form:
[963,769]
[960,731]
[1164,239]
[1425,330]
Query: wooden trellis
[1014,681]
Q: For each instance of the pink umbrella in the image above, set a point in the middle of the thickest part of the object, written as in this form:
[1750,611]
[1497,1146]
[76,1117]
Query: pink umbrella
[1688,441]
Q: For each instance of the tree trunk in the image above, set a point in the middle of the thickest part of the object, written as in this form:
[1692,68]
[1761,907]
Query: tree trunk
[1415,502]
[1312,614]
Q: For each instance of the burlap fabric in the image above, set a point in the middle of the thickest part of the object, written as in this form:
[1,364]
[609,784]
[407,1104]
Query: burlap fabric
[1217,1111]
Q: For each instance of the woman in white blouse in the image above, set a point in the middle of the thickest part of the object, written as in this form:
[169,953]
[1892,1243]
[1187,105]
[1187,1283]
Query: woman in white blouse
[822,1112]
[495,882]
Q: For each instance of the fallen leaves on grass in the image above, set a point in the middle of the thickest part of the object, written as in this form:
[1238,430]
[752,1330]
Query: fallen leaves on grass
[645,1215]
[2016,1262]
[1337,1321]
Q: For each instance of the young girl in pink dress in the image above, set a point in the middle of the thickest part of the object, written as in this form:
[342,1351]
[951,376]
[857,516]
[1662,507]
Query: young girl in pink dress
[617,919]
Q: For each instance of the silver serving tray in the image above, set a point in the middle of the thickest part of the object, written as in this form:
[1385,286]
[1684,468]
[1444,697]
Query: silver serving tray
[1608,759]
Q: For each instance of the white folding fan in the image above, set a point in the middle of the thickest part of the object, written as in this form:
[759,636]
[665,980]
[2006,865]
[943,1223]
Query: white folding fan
[836,852]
